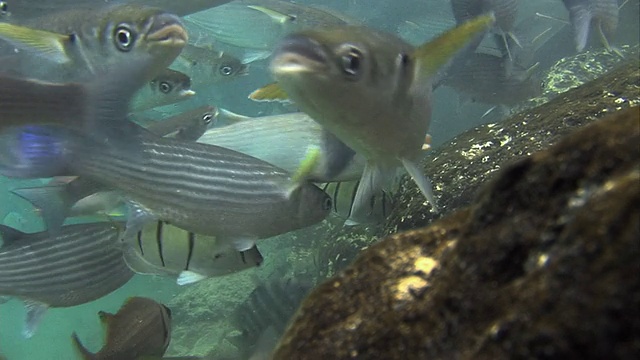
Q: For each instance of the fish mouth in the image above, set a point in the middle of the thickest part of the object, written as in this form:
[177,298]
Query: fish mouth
[298,53]
[187,93]
[167,29]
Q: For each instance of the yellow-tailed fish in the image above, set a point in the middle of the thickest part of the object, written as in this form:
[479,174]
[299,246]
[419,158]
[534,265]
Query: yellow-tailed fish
[71,44]
[162,249]
[142,327]
[371,91]
[259,24]
[168,87]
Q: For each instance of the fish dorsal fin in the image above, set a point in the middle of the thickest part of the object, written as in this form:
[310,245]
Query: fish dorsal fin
[269,93]
[277,16]
[224,114]
[10,235]
[51,45]
[105,317]
[431,56]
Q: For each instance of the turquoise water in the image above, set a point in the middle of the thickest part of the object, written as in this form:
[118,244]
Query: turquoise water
[451,116]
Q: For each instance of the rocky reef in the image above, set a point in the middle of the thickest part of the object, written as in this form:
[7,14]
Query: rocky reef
[544,263]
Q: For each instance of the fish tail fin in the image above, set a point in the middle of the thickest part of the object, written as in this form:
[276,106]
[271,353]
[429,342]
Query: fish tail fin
[423,182]
[53,201]
[82,351]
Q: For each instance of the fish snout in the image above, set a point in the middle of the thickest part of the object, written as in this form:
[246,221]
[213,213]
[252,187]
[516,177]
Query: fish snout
[167,29]
[298,52]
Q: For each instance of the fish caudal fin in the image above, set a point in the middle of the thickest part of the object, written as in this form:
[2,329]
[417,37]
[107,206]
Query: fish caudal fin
[52,201]
[84,353]
[423,182]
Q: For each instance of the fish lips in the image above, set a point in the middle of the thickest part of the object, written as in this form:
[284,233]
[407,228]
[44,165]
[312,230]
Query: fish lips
[167,29]
[299,54]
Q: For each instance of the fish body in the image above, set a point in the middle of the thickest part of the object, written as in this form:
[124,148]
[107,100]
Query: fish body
[168,87]
[164,249]
[602,14]
[259,24]
[281,140]
[74,44]
[371,91]
[81,263]
[483,78]
[208,66]
[142,327]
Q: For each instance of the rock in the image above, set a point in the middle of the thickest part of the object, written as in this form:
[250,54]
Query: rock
[458,169]
[544,264]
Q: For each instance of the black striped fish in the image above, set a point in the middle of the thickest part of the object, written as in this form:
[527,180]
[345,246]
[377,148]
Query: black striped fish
[343,195]
[163,249]
[80,264]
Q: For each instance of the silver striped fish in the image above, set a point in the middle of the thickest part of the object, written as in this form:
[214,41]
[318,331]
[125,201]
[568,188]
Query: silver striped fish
[81,263]
[163,249]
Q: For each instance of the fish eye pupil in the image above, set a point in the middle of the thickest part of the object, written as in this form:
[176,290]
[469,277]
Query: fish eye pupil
[165,87]
[351,62]
[225,70]
[207,118]
[124,38]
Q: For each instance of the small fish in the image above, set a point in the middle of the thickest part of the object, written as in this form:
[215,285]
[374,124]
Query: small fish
[483,78]
[603,14]
[168,87]
[259,24]
[74,44]
[371,92]
[163,249]
[202,188]
[281,140]
[343,194]
[80,264]
[142,327]
[189,125]
[208,66]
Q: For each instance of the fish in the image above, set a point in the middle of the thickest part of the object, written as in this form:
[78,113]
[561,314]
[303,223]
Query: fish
[208,66]
[505,12]
[75,44]
[142,327]
[259,24]
[168,87]
[483,78]
[281,140]
[371,93]
[80,264]
[163,249]
[603,14]
[202,188]
[343,194]
[268,308]
[189,125]
[26,9]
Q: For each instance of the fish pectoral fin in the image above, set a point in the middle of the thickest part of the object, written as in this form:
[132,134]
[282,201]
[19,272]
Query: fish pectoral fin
[189,277]
[277,16]
[422,181]
[35,313]
[269,93]
[50,45]
[430,57]
[9,235]
[581,18]
[243,244]
[138,217]
[52,201]
[226,115]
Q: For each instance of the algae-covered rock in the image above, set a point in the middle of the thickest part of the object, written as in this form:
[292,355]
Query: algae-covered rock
[457,169]
[544,264]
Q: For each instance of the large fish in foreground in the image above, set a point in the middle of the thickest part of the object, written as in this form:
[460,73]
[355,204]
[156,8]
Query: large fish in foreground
[81,263]
[141,328]
[74,44]
[372,92]
[603,14]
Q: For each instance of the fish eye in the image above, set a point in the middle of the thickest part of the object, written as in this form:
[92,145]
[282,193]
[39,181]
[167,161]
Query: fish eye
[351,62]
[206,118]
[165,87]
[124,37]
[226,70]
[326,205]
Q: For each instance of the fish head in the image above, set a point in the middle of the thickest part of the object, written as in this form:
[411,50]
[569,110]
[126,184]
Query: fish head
[229,67]
[356,82]
[313,205]
[172,85]
[131,31]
